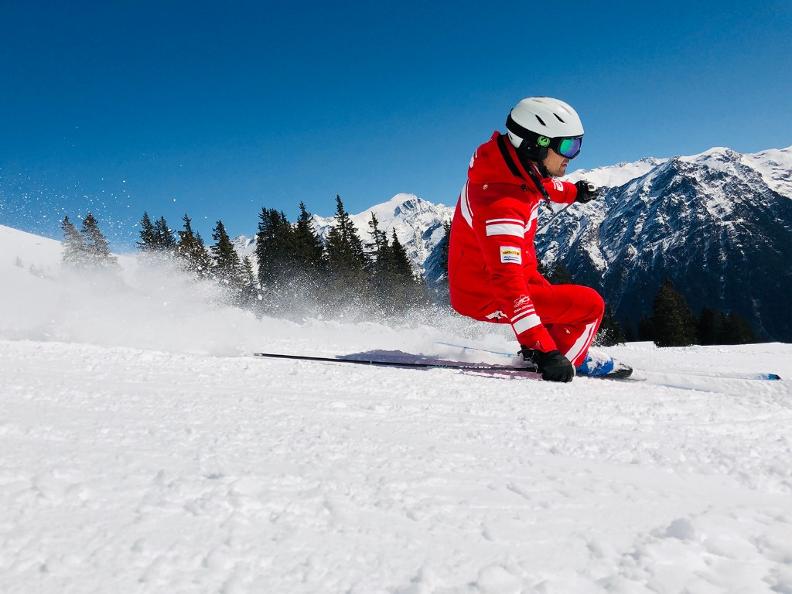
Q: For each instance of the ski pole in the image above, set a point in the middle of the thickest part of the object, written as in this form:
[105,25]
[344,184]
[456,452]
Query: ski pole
[591,187]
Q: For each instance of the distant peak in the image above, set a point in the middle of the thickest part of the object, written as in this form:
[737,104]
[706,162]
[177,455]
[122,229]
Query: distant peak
[404,198]
[716,152]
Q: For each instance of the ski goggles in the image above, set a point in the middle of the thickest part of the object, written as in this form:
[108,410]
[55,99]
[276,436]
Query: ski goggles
[568,147]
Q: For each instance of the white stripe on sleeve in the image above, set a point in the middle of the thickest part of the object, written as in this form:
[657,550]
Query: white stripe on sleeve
[526,323]
[515,221]
[506,229]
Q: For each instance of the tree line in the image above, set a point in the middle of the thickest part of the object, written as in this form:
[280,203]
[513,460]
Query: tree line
[87,248]
[297,272]
[672,323]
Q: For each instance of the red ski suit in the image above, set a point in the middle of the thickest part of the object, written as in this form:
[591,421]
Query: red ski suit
[492,266]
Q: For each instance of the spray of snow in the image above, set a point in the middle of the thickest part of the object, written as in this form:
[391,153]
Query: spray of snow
[155,305]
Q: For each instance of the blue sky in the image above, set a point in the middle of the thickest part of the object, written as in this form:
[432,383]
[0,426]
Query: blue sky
[172,107]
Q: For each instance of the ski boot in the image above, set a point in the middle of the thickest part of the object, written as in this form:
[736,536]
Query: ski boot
[602,366]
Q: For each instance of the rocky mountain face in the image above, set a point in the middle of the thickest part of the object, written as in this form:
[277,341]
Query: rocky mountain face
[719,224]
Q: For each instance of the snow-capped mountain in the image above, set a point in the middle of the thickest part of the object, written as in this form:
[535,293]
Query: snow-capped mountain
[418,224]
[612,176]
[719,224]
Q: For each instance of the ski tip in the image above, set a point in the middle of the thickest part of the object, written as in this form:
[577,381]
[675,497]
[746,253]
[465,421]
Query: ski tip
[773,377]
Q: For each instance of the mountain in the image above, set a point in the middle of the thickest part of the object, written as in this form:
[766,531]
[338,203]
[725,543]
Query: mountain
[719,224]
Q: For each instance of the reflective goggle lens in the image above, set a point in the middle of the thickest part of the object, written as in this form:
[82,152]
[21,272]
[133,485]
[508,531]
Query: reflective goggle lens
[570,147]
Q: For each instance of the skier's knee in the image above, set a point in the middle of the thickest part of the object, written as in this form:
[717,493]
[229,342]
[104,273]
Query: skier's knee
[597,303]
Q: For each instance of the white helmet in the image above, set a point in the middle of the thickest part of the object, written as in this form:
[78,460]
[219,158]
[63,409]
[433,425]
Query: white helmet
[536,123]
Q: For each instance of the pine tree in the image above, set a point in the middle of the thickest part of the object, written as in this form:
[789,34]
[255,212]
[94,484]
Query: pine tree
[164,241]
[226,266]
[249,290]
[345,254]
[201,258]
[74,253]
[377,255]
[147,235]
[406,289]
[673,322]
[710,326]
[378,245]
[275,248]
[646,329]
[737,330]
[97,250]
[190,248]
[398,262]
[308,248]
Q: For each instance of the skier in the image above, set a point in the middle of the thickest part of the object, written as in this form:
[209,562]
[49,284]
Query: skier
[492,265]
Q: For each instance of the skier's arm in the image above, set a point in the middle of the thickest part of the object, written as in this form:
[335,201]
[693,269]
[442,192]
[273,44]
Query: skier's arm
[500,232]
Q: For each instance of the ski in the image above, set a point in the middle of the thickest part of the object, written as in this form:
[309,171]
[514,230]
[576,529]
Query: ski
[409,361]
[400,359]
[761,376]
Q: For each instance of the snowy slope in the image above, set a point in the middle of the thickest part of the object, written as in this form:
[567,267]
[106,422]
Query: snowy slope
[145,451]
[775,167]
[21,250]
[131,470]
[613,176]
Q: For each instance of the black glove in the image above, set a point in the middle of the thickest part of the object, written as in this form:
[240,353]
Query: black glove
[553,366]
[586,192]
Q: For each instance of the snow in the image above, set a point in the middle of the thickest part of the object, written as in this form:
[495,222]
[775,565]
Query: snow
[775,167]
[613,176]
[144,450]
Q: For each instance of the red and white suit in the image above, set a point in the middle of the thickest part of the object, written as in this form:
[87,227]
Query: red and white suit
[492,266]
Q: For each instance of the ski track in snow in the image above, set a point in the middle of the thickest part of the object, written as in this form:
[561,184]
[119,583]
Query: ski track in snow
[135,470]
[141,450]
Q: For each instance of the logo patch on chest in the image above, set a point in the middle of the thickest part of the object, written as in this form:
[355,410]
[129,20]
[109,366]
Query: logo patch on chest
[510,254]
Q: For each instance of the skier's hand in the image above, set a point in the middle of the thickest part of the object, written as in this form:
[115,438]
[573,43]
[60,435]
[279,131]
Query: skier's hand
[586,192]
[553,366]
